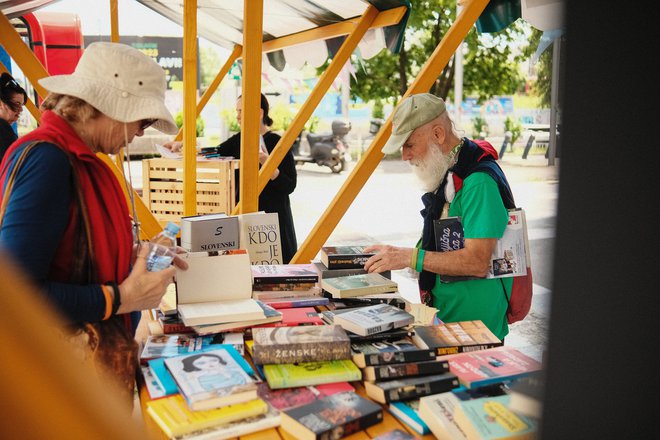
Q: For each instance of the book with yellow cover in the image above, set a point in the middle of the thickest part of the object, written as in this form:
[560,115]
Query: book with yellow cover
[311,373]
[175,418]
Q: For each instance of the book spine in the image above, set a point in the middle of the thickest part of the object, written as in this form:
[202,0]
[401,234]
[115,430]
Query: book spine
[299,303]
[300,352]
[416,391]
[442,351]
[285,279]
[410,369]
[347,261]
[399,357]
[352,427]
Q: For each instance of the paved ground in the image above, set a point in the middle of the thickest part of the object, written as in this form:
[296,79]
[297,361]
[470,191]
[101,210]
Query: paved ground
[387,211]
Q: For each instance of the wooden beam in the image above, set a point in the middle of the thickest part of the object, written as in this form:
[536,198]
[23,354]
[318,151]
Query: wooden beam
[189,107]
[114,21]
[251,100]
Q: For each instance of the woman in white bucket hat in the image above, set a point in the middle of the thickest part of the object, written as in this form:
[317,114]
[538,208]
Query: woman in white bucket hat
[64,215]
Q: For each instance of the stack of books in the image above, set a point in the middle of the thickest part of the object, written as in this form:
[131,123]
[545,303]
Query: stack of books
[338,261]
[303,355]
[287,285]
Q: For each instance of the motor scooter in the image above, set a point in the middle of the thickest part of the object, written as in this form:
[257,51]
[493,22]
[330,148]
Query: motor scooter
[330,150]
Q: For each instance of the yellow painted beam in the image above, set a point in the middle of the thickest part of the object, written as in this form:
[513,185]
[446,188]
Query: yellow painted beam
[233,56]
[321,87]
[32,108]
[189,107]
[149,226]
[251,99]
[114,21]
[22,55]
[384,18]
[372,157]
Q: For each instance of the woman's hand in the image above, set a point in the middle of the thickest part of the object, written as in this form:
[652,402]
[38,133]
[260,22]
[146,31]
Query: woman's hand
[174,146]
[387,258]
[142,290]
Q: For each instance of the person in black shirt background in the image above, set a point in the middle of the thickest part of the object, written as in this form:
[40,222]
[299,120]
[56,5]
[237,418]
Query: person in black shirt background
[12,100]
[275,196]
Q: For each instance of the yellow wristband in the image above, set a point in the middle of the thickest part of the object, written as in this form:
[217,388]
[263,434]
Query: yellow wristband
[413,259]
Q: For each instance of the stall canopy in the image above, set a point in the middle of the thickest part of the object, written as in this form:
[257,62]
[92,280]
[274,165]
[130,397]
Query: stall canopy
[223,22]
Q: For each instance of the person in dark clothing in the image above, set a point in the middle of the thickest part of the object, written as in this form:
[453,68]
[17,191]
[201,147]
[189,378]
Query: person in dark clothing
[12,100]
[275,195]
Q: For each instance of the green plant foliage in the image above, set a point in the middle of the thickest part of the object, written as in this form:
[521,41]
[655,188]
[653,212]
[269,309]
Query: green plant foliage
[281,115]
[481,128]
[199,123]
[312,124]
[513,126]
[377,110]
[229,116]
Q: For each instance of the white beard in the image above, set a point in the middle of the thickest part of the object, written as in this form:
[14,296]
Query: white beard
[431,169]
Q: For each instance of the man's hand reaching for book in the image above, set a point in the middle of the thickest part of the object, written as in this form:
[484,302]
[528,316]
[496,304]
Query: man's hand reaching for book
[387,258]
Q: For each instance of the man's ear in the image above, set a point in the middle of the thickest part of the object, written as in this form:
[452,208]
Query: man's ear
[438,133]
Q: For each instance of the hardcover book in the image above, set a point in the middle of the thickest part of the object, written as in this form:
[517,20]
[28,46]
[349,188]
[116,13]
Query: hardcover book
[509,258]
[259,234]
[286,398]
[408,413]
[411,387]
[334,416]
[406,369]
[310,373]
[389,352]
[175,418]
[214,378]
[308,343]
[357,285]
[284,273]
[209,232]
[270,315]
[344,257]
[455,337]
[296,316]
[216,288]
[498,364]
[491,418]
[373,319]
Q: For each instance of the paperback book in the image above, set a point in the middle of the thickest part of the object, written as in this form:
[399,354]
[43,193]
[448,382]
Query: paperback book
[491,418]
[358,285]
[389,352]
[266,295]
[410,388]
[334,416]
[311,373]
[238,428]
[456,337]
[270,315]
[408,413]
[171,324]
[509,258]
[175,418]
[156,346]
[498,364]
[370,320]
[214,378]
[309,343]
[344,257]
[259,234]
[406,369]
[395,434]
[284,273]
[286,398]
[303,301]
[286,287]
[324,272]
[295,316]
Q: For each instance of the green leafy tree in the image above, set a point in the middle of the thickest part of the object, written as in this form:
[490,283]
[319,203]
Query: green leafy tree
[199,127]
[514,127]
[490,64]
[542,85]
[209,65]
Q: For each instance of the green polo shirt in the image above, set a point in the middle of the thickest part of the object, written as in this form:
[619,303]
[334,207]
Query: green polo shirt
[483,215]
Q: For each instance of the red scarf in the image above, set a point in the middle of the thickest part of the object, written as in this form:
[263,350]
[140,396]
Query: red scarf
[110,224]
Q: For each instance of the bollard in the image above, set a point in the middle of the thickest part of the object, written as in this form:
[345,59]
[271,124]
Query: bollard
[507,140]
[528,147]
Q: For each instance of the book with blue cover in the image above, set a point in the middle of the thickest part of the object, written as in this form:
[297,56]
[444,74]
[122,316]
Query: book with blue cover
[408,413]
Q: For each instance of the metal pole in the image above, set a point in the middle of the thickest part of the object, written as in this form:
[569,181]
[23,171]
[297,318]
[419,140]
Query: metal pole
[554,92]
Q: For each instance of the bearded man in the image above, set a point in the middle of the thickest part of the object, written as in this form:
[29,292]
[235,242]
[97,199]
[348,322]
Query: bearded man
[461,178]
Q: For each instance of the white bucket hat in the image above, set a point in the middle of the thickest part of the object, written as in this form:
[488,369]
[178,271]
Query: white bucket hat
[119,81]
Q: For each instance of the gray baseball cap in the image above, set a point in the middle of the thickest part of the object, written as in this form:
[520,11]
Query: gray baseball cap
[410,114]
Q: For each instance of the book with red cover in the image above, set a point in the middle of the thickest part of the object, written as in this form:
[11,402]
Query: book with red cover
[484,367]
[294,316]
[285,398]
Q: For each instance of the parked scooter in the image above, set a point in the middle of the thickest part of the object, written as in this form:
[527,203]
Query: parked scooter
[330,150]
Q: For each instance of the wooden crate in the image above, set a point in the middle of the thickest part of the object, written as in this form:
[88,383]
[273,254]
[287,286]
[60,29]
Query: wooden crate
[162,187]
